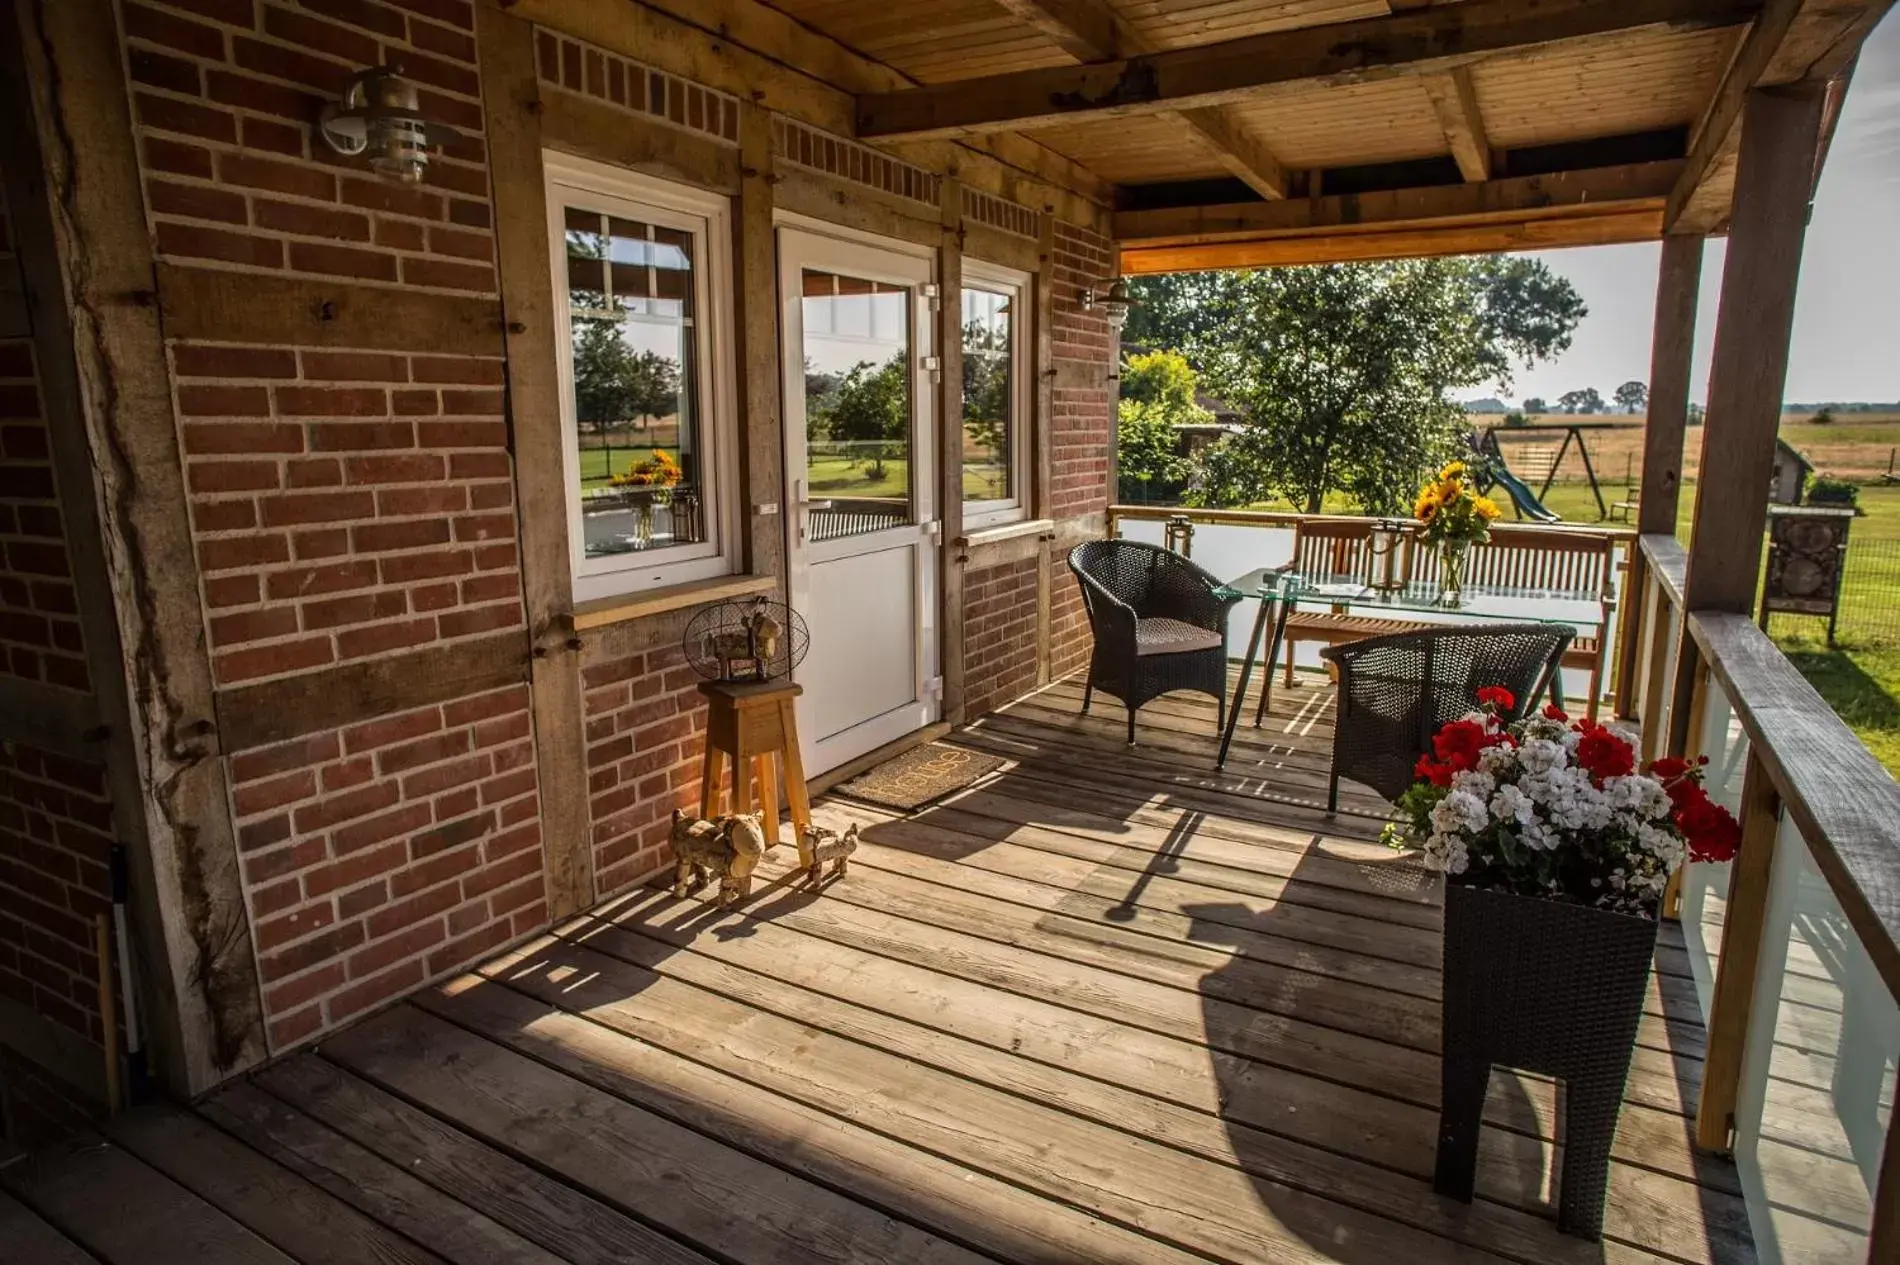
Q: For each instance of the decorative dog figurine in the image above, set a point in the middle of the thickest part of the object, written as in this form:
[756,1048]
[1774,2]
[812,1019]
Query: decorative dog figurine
[829,845]
[727,848]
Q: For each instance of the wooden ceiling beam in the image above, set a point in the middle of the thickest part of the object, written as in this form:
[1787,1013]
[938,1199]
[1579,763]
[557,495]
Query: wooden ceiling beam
[1091,31]
[1426,41]
[1793,41]
[1517,199]
[1455,101]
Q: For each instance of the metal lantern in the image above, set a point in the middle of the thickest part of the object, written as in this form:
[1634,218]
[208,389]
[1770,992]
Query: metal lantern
[380,117]
[753,640]
[1386,555]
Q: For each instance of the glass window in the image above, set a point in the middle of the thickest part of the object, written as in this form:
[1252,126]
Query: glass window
[994,396]
[857,403]
[643,408]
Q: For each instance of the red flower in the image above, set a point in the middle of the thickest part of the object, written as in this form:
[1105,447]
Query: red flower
[1604,755]
[1431,771]
[1496,696]
[1554,712]
[1668,768]
[1459,743]
[1711,830]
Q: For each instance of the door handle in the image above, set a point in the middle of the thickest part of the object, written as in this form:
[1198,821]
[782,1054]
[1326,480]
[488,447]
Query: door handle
[816,505]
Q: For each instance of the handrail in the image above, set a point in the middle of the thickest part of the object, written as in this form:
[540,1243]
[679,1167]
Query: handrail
[1287,518]
[1668,562]
[1845,804]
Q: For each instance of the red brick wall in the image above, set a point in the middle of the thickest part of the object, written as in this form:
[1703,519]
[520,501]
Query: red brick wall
[646,731]
[345,504]
[1081,431]
[383,854]
[999,634]
[224,93]
[55,841]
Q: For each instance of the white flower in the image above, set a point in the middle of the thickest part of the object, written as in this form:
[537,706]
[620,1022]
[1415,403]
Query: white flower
[1498,761]
[1540,755]
[1512,804]
[1475,782]
[1460,810]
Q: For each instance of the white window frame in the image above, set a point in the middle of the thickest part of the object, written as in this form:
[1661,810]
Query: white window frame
[980,274]
[596,186]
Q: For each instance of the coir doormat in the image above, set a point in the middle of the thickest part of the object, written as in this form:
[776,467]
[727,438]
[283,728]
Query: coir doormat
[919,776]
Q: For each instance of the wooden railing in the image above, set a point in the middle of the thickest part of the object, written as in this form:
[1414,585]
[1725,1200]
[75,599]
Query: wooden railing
[1819,861]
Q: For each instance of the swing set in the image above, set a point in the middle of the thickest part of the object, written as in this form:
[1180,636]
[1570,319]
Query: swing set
[1541,462]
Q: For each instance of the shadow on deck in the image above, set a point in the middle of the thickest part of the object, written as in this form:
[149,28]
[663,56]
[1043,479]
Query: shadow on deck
[1102,1006]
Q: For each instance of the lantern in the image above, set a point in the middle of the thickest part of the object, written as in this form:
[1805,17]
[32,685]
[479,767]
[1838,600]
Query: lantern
[1387,559]
[379,118]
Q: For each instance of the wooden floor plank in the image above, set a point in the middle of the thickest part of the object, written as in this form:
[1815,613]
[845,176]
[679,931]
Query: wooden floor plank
[394,1196]
[127,1213]
[994,1217]
[533,1205]
[272,1202]
[724,1201]
[26,1238]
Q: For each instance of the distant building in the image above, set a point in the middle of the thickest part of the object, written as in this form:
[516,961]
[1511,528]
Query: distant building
[1790,477]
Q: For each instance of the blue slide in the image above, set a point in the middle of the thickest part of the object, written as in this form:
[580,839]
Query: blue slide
[1528,506]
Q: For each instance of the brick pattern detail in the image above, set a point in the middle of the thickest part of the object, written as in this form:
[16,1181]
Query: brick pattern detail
[847,160]
[39,612]
[55,848]
[345,504]
[988,209]
[226,94]
[576,66]
[646,732]
[382,855]
[999,630]
[1082,429]
[1069,638]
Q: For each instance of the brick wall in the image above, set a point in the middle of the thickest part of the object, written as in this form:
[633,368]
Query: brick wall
[646,731]
[224,93]
[345,504]
[999,632]
[383,854]
[1081,430]
[55,842]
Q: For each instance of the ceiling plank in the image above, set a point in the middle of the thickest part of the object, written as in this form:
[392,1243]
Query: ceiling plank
[1631,187]
[1599,228]
[1090,31]
[1424,41]
[1455,101]
[1792,41]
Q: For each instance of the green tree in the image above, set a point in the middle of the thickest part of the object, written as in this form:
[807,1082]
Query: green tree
[1157,396]
[1534,404]
[1632,397]
[1587,400]
[613,384]
[1344,372]
[871,411]
[986,387]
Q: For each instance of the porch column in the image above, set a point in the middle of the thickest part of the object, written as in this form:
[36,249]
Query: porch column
[1781,129]
[1672,350]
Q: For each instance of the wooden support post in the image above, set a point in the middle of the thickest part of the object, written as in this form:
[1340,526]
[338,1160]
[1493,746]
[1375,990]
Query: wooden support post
[1883,1236]
[1656,684]
[1781,130]
[950,447]
[755,260]
[1671,352]
[1742,921]
[1631,613]
[511,118]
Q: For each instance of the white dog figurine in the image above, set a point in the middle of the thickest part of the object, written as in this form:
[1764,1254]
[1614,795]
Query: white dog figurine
[829,845]
[727,848]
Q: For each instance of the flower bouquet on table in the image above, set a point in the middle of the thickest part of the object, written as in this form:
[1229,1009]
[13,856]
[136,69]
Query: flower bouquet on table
[1452,518]
[1556,848]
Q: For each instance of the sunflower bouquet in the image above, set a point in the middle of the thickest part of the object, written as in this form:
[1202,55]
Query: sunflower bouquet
[658,471]
[1453,517]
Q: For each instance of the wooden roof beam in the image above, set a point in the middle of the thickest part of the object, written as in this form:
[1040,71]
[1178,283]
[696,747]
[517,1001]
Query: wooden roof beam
[1455,101]
[1792,41]
[1425,41]
[1090,31]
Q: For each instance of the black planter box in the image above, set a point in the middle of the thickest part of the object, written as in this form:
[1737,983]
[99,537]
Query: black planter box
[1546,987]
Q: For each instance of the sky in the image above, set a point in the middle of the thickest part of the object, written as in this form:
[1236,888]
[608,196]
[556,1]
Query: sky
[1847,310]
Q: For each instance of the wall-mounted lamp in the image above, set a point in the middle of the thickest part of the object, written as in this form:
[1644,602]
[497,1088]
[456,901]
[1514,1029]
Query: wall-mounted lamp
[1115,303]
[380,116]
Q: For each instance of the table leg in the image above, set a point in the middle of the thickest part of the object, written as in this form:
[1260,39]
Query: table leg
[1273,656]
[711,773]
[768,797]
[1246,674]
[794,763]
[742,785]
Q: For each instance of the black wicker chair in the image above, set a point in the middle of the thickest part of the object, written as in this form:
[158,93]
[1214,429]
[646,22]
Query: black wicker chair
[1160,624]
[1395,691]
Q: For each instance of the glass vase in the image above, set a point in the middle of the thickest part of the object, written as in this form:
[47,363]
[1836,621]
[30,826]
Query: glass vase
[1451,572]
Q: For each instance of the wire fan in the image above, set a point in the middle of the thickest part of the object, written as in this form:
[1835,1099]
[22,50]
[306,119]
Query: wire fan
[758,639]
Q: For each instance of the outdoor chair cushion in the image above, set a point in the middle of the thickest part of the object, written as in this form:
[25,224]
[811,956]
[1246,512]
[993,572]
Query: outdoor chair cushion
[1172,636]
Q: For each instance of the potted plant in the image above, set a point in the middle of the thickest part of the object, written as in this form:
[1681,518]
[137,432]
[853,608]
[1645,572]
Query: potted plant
[1556,849]
[1452,518]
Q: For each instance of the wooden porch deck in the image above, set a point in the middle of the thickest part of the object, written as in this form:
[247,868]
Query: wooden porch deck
[1104,1006]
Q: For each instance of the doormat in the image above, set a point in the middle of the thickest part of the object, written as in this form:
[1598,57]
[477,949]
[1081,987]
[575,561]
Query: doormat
[919,776]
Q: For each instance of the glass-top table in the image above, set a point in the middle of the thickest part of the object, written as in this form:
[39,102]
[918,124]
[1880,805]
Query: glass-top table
[1279,592]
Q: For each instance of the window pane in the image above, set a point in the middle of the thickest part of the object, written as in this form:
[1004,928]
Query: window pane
[636,384]
[988,396]
[857,404]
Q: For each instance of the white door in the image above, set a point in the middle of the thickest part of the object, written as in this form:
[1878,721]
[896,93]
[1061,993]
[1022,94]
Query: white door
[860,489]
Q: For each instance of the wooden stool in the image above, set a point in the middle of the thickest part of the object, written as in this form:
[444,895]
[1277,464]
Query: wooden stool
[754,721]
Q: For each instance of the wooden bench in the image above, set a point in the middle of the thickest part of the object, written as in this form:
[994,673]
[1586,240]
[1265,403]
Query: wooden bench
[1566,562]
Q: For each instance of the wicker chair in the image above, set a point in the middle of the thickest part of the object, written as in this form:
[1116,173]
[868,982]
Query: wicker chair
[1160,624]
[1395,691]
